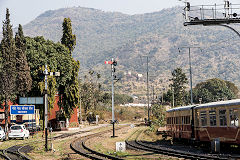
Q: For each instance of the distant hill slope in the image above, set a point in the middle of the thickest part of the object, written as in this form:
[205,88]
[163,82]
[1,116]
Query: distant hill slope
[103,35]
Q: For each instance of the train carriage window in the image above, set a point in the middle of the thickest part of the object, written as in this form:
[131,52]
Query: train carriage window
[222,117]
[197,119]
[233,117]
[203,115]
[188,119]
[212,116]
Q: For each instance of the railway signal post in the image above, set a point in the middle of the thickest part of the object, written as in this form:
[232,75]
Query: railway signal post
[46,73]
[113,64]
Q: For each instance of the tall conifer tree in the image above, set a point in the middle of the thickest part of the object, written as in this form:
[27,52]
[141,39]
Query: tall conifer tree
[179,81]
[70,97]
[70,92]
[68,39]
[24,80]
[8,73]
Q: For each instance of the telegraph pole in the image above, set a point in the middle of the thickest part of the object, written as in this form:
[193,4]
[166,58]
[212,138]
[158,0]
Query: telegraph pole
[148,93]
[148,108]
[190,68]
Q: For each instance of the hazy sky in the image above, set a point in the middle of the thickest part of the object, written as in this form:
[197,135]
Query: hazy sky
[23,11]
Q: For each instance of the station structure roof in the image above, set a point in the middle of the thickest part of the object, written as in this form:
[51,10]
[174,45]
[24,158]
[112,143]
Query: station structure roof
[233,102]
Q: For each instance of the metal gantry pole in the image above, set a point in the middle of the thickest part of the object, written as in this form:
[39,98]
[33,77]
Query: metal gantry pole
[113,119]
[46,109]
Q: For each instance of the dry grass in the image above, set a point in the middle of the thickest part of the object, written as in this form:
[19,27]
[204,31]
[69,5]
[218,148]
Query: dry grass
[104,144]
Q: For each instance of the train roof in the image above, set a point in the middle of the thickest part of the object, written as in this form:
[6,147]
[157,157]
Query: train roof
[233,102]
[181,108]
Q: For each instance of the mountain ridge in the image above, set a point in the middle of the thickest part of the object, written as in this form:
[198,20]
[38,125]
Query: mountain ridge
[104,35]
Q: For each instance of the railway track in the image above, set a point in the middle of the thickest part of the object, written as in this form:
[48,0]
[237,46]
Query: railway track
[65,135]
[16,152]
[13,153]
[79,146]
[166,150]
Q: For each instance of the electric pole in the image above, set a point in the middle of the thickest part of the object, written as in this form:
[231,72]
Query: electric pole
[190,69]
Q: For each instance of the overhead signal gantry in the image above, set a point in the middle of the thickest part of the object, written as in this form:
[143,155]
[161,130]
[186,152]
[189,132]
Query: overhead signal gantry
[207,15]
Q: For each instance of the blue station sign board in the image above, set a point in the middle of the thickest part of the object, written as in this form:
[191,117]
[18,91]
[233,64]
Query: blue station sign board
[22,109]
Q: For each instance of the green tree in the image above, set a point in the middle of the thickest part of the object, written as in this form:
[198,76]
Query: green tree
[90,92]
[158,115]
[213,90]
[179,81]
[68,39]
[70,92]
[69,98]
[232,87]
[8,72]
[55,55]
[24,79]
[168,97]
[40,52]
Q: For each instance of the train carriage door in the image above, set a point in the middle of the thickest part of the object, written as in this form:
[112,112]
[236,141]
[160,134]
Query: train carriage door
[234,119]
[192,125]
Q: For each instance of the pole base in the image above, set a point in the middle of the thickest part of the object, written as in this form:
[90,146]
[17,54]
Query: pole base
[114,136]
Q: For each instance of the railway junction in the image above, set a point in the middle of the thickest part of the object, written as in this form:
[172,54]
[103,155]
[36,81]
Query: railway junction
[95,142]
[195,131]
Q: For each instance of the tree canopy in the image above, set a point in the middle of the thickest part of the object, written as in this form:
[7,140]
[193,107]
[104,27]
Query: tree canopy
[8,75]
[179,81]
[24,79]
[213,90]
[40,52]
[68,39]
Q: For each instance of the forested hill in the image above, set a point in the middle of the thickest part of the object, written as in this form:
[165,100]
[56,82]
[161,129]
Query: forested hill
[103,35]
